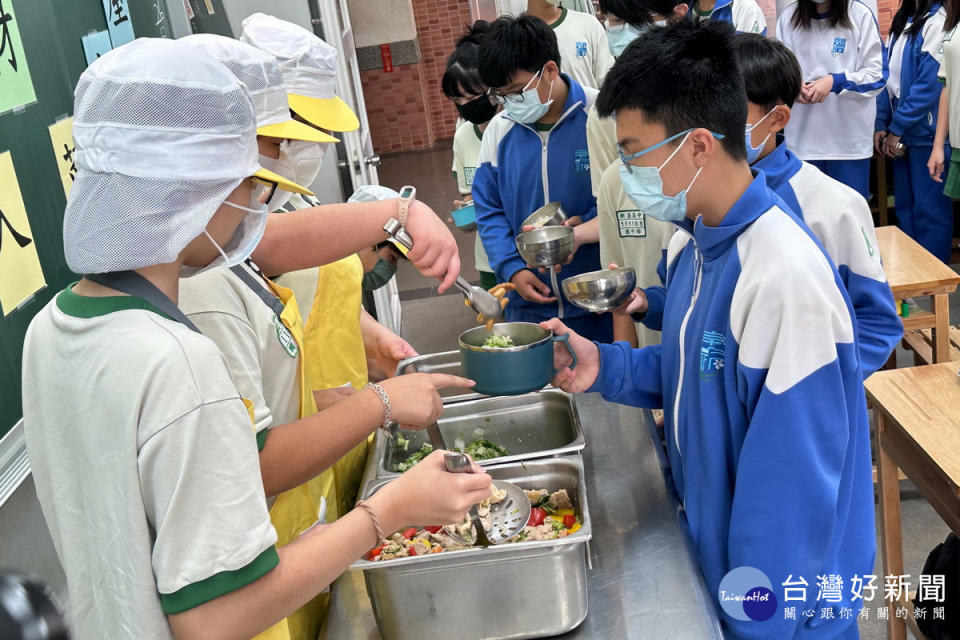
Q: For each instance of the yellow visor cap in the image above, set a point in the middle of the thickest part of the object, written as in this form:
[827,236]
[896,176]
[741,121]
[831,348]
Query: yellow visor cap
[332,114]
[269,177]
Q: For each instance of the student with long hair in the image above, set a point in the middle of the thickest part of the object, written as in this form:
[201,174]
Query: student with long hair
[841,56]
[461,83]
[907,121]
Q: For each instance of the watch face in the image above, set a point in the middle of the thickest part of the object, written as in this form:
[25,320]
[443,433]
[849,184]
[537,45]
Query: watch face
[406,192]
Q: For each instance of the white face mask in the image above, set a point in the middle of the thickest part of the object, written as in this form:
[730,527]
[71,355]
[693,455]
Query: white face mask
[282,166]
[241,245]
[306,158]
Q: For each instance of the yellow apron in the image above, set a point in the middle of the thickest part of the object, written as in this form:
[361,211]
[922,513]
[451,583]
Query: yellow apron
[279,631]
[296,510]
[335,356]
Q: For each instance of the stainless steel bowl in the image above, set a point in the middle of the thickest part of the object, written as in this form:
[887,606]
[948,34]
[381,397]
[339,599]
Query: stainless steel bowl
[550,214]
[546,246]
[602,290]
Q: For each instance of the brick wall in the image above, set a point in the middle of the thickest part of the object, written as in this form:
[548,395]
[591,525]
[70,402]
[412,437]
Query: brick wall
[440,23]
[885,11]
[406,108]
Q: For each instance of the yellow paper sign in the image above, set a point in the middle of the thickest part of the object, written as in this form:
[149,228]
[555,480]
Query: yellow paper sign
[61,136]
[20,272]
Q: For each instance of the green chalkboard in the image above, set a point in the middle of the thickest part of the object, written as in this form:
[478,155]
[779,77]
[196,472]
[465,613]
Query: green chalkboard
[51,31]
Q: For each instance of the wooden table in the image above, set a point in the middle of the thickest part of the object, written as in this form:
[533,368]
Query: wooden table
[917,428]
[914,272]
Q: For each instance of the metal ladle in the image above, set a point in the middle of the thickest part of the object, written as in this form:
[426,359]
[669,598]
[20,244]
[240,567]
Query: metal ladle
[507,517]
[481,300]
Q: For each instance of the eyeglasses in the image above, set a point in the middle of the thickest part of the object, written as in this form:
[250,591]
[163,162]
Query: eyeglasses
[515,97]
[627,159]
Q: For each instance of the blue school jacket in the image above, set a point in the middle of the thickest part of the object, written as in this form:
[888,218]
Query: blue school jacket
[519,172]
[765,415]
[913,116]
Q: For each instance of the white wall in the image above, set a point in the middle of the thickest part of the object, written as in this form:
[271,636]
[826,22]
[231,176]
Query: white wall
[377,22]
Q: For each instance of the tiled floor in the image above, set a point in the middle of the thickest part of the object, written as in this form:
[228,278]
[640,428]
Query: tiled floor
[432,323]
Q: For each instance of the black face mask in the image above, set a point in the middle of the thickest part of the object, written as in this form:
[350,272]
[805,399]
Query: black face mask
[478,110]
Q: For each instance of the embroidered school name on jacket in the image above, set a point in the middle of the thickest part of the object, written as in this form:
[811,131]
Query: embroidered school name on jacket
[765,416]
[521,169]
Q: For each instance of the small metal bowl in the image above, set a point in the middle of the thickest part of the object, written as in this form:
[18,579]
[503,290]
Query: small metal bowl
[549,215]
[602,290]
[546,246]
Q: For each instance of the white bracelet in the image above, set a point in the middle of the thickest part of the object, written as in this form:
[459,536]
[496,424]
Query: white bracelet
[385,399]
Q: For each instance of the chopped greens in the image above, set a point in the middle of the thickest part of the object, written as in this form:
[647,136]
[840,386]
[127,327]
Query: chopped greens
[479,449]
[415,457]
[499,342]
[483,449]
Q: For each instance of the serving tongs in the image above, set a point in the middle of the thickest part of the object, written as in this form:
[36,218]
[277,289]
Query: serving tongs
[507,517]
[481,300]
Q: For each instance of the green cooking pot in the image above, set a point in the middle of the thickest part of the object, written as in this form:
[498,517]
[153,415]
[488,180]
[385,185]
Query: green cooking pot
[510,371]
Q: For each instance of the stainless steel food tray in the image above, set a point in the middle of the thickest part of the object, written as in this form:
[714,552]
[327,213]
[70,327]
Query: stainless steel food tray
[536,425]
[521,590]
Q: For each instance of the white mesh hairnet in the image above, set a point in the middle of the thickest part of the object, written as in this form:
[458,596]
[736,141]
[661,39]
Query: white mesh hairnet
[163,135]
[256,69]
[308,63]
[372,193]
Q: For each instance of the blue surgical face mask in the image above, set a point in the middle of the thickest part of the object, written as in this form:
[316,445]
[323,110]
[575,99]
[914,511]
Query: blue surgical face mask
[620,36]
[644,186]
[529,109]
[753,153]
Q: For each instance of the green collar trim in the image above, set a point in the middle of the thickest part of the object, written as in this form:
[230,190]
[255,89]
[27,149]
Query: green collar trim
[544,127]
[477,131]
[219,584]
[703,13]
[79,306]
[563,16]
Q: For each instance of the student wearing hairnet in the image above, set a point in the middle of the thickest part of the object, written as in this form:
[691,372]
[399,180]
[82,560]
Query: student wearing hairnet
[141,446]
[258,324]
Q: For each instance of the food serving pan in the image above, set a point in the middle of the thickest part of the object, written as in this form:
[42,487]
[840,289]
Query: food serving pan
[520,590]
[536,425]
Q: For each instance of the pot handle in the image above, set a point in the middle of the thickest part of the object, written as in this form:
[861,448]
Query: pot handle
[565,339]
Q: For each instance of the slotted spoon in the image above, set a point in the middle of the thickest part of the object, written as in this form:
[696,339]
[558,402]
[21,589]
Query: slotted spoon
[507,517]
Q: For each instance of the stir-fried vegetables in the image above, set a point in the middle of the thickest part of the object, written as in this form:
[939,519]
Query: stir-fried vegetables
[553,518]
[499,342]
[479,449]
[415,457]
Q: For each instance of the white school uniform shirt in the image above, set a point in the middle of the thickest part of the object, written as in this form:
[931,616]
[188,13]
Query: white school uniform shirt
[584,50]
[145,465]
[840,127]
[630,238]
[466,151]
[932,35]
[251,338]
[950,75]
[601,145]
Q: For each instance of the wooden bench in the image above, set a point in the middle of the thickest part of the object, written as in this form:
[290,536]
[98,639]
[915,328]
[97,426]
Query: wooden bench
[913,272]
[916,429]
[921,343]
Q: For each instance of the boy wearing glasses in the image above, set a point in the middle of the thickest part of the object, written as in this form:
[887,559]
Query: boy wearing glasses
[758,372]
[534,152]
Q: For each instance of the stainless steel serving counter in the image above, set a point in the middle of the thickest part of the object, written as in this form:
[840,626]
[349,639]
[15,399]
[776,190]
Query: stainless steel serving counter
[644,581]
